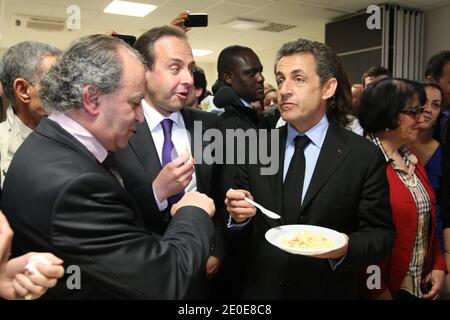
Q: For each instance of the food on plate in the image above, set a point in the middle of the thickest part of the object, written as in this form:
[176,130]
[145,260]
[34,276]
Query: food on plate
[186,154]
[309,240]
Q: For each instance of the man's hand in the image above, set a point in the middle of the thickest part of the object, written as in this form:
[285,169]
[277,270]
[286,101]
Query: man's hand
[6,235]
[22,284]
[436,279]
[179,21]
[335,254]
[239,209]
[195,199]
[111,33]
[15,281]
[174,177]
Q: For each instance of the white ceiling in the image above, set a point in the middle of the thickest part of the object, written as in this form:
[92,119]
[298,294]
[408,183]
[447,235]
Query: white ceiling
[309,18]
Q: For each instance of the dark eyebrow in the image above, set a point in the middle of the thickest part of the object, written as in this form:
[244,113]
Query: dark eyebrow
[292,73]
[252,70]
[175,60]
[297,72]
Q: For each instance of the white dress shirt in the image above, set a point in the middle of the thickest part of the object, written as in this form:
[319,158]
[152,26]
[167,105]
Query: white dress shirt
[317,135]
[180,139]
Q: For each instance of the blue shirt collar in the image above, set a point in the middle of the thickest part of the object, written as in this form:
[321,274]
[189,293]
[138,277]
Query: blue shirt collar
[316,134]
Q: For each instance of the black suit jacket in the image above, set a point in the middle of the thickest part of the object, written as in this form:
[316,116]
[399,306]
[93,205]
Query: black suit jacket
[236,116]
[348,192]
[139,165]
[445,186]
[59,198]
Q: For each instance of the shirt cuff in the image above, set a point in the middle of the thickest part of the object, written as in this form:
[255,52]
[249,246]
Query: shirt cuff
[162,205]
[233,225]
[335,263]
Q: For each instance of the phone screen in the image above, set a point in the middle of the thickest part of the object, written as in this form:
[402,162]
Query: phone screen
[196,20]
[127,38]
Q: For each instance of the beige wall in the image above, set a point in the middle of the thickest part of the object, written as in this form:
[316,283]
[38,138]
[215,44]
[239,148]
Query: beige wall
[437,26]
[267,58]
[210,73]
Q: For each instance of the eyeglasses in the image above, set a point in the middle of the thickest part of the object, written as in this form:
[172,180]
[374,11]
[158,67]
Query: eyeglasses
[415,111]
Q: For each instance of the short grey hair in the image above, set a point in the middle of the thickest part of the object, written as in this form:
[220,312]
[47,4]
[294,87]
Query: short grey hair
[91,60]
[23,60]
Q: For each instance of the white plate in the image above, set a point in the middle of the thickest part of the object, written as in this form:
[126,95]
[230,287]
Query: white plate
[277,235]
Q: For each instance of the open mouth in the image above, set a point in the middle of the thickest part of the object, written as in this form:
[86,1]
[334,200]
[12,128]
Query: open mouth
[182,95]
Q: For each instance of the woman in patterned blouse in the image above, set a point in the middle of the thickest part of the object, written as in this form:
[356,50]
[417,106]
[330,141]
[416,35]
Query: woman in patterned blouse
[389,114]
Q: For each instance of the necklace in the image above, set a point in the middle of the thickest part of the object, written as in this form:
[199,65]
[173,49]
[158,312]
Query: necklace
[407,180]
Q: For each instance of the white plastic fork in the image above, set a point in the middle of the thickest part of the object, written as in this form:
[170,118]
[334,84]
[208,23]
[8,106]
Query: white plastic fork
[267,212]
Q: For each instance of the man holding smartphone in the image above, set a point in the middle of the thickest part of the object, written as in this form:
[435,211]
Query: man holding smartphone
[186,20]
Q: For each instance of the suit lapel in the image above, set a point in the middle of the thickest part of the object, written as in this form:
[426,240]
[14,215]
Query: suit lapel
[143,145]
[201,170]
[333,153]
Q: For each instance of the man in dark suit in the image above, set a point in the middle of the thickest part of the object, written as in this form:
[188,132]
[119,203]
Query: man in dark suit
[240,83]
[155,180]
[239,68]
[60,196]
[328,177]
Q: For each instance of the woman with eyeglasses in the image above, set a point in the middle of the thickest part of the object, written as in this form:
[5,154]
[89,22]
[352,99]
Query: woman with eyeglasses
[427,149]
[389,114]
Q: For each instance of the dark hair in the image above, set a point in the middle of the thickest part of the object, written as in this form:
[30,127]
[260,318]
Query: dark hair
[382,103]
[145,44]
[200,81]
[436,64]
[328,65]
[375,71]
[227,57]
[434,86]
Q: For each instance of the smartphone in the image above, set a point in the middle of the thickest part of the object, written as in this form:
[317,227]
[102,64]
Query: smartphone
[196,20]
[127,38]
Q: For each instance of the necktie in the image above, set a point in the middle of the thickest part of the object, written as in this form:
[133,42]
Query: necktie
[167,154]
[293,183]
[110,165]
